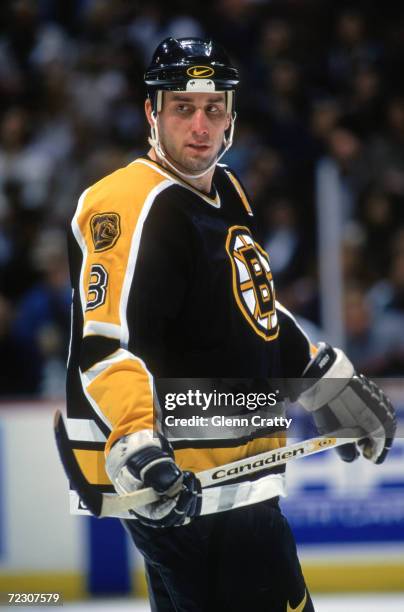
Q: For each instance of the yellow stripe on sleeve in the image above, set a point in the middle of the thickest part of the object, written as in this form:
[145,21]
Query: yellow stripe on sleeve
[123,393]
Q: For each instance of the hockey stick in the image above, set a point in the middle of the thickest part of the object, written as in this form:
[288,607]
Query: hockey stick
[106,504]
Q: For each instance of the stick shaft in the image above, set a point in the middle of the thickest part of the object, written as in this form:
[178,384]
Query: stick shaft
[269,459]
[113,505]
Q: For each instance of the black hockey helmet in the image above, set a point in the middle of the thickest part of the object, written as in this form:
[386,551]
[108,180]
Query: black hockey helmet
[189,64]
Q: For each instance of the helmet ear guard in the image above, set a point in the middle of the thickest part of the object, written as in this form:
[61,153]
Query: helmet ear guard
[157,100]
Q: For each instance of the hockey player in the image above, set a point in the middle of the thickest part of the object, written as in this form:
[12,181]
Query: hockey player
[169,281]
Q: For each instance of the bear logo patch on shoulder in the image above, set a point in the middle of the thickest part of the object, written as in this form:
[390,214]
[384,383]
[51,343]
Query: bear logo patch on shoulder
[105,230]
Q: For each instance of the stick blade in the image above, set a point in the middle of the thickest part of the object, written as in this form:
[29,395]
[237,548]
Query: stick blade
[88,495]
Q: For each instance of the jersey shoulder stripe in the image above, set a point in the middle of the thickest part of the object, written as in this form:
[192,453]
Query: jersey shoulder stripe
[241,192]
[108,226]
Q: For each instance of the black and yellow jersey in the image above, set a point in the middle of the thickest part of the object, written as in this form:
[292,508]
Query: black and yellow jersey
[167,282]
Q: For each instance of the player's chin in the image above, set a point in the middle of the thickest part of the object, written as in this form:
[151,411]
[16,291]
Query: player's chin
[201,160]
[198,166]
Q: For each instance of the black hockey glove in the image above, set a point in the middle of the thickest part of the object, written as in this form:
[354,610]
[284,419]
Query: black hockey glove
[344,403]
[140,460]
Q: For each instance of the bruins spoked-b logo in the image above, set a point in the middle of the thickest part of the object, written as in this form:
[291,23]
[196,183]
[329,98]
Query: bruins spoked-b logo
[105,230]
[252,282]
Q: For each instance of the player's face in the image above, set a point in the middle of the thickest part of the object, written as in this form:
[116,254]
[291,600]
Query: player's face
[191,128]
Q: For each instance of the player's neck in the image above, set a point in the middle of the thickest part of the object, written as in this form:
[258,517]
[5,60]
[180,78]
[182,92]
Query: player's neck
[204,183]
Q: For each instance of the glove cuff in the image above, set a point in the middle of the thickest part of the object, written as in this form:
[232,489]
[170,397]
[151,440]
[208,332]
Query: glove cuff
[127,446]
[336,372]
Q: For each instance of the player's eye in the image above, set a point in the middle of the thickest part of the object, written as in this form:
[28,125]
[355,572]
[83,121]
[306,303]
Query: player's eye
[216,110]
[183,108]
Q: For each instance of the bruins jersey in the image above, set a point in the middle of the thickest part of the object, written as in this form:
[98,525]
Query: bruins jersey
[168,282]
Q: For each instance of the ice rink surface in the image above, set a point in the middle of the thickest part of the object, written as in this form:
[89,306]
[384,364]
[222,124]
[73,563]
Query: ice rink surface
[323,603]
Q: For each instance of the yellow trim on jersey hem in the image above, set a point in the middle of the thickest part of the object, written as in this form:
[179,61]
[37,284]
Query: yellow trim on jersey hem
[92,465]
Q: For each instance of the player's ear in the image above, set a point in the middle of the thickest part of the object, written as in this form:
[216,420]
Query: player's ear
[148,108]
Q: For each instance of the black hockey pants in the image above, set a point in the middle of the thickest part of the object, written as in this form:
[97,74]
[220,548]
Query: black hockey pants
[244,560]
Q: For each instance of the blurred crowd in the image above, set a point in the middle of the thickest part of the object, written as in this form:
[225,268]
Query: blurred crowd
[319,80]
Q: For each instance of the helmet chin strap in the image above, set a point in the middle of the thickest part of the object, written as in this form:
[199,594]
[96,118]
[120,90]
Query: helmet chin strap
[154,141]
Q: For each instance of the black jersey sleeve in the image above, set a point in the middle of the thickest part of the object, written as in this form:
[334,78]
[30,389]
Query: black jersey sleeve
[296,348]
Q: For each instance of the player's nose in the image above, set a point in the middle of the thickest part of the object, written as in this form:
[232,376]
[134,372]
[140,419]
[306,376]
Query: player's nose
[199,122]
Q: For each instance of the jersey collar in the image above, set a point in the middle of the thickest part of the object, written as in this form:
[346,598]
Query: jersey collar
[213,198]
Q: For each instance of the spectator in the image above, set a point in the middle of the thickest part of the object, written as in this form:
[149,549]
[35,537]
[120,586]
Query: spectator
[386,151]
[21,162]
[283,241]
[16,377]
[42,322]
[353,47]
[375,344]
[377,216]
